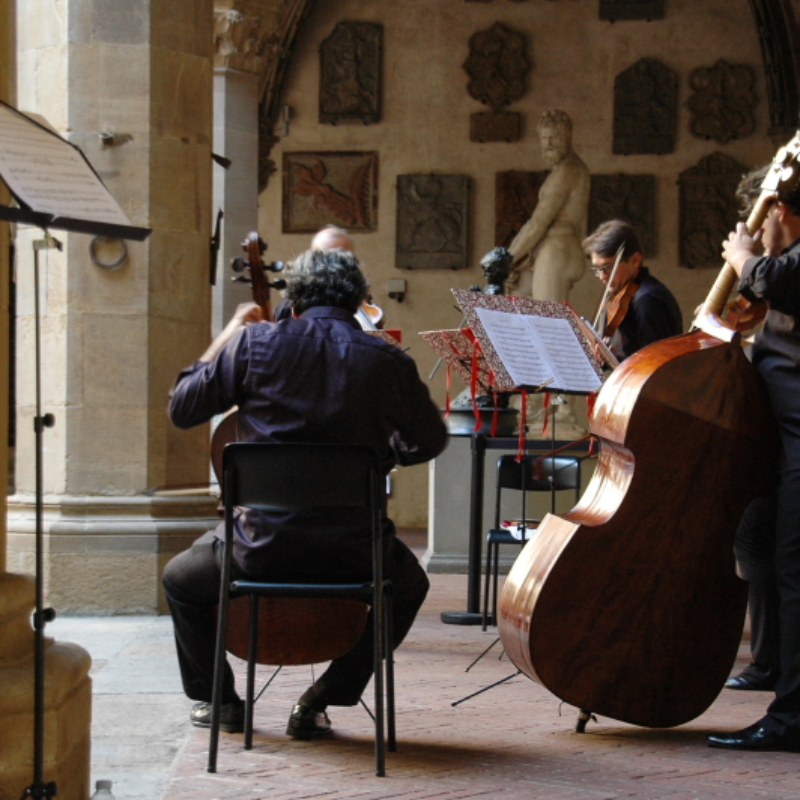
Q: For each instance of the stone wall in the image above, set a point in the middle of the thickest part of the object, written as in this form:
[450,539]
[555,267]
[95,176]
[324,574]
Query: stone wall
[425,128]
[131,85]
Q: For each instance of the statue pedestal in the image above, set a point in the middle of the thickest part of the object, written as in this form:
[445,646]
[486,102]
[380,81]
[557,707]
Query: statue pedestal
[68,701]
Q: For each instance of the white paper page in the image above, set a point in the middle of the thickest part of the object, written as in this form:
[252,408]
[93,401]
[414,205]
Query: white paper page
[567,357]
[535,349]
[511,337]
[50,175]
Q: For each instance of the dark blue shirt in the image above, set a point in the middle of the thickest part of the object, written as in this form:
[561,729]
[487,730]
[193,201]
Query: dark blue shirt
[653,314]
[317,378]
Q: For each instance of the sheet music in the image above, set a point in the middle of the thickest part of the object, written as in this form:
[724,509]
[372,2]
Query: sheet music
[50,175]
[534,349]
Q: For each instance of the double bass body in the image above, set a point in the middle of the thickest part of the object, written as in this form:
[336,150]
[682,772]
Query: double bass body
[629,605]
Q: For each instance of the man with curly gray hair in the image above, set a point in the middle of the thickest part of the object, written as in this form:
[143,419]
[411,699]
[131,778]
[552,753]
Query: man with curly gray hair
[313,377]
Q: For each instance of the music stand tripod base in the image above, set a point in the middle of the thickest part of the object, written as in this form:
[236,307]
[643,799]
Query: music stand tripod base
[462,617]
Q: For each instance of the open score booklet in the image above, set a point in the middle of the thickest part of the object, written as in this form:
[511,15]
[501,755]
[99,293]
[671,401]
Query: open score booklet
[529,342]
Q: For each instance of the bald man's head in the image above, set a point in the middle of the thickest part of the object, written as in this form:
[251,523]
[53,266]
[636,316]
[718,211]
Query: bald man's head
[331,237]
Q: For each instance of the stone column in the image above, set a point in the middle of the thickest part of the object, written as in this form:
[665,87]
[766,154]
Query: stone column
[67,687]
[131,85]
[241,33]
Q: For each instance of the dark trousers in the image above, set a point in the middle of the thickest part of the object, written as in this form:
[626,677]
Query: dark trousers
[784,391]
[755,554]
[192,583]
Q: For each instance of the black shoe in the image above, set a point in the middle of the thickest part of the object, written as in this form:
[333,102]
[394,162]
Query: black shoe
[748,684]
[231,716]
[757,737]
[306,723]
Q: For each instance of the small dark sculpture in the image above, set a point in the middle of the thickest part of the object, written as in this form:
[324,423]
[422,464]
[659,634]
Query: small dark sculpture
[496,265]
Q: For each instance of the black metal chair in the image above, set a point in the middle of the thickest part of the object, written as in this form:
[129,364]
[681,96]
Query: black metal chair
[531,473]
[305,478]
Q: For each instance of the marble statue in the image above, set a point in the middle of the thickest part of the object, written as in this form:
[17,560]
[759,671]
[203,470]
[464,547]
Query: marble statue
[549,243]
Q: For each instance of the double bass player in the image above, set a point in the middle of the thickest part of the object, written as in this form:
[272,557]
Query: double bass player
[776,354]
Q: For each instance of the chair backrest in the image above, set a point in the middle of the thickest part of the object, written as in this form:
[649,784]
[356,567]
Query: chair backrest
[301,476]
[536,473]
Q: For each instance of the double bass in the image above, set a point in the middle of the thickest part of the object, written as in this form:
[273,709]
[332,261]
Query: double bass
[629,605]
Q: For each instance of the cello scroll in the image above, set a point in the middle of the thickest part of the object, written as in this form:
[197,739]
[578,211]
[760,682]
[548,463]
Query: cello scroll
[255,270]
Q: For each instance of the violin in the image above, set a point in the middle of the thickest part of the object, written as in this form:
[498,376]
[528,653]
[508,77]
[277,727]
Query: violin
[617,309]
[254,266]
[370,316]
[743,315]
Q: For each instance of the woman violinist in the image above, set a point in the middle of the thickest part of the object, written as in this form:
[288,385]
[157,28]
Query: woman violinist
[639,309]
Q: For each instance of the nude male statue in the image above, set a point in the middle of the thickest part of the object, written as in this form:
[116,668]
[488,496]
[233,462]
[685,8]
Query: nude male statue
[550,241]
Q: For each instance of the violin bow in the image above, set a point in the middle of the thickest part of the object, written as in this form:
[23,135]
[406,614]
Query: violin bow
[604,298]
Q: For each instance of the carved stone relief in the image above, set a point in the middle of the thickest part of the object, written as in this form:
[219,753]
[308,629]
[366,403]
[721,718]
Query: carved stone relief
[330,188]
[723,102]
[350,74]
[432,221]
[628,197]
[777,32]
[613,10]
[645,109]
[498,66]
[708,209]
[515,198]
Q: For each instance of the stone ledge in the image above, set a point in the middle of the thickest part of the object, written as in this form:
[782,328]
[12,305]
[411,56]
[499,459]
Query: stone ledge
[105,555]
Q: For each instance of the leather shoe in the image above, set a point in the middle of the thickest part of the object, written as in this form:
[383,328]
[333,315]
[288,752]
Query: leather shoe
[758,738]
[308,723]
[231,716]
[748,684]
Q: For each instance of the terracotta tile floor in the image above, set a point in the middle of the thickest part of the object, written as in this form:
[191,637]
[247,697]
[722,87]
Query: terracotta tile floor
[514,741]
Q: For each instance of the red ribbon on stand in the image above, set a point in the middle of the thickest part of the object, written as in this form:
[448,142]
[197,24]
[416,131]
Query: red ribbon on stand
[546,423]
[523,424]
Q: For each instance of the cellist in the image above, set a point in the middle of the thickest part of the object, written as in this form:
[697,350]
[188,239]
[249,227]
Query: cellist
[315,377]
[776,354]
[640,309]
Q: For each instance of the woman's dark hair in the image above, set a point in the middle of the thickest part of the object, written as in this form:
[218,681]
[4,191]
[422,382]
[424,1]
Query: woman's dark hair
[325,278]
[608,238]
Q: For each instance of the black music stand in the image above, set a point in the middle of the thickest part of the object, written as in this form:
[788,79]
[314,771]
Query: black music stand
[557,359]
[34,148]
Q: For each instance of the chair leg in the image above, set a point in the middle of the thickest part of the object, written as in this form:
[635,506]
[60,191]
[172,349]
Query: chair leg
[489,547]
[378,649]
[389,658]
[252,648]
[495,573]
[219,661]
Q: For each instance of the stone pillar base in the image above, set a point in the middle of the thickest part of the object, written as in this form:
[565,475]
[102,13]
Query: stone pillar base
[105,555]
[68,701]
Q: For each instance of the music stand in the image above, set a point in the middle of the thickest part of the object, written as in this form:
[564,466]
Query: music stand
[526,345]
[55,187]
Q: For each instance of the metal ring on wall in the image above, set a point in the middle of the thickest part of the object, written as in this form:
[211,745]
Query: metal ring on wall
[116,263]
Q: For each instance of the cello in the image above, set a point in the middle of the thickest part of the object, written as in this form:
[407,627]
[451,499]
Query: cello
[293,631]
[629,605]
